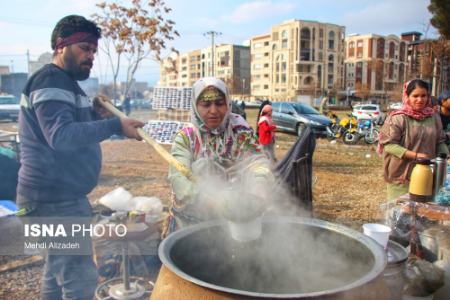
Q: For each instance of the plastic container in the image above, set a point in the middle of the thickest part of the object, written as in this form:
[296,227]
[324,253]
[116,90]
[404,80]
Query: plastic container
[245,232]
[378,232]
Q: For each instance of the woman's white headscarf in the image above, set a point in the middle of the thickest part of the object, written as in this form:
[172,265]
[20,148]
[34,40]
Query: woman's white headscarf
[197,89]
[218,143]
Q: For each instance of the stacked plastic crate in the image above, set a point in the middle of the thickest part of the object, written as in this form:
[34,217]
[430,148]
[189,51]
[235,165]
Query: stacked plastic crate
[173,105]
[163,131]
[172,98]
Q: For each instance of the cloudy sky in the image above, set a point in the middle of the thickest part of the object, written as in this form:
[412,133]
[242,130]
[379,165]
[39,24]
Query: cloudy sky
[27,24]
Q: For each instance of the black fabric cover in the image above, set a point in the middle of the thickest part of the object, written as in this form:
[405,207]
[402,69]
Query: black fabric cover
[295,169]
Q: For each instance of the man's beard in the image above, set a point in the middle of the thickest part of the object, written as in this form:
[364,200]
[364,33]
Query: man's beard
[76,70]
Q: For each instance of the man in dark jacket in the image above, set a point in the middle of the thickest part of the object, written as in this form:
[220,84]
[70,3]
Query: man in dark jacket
[60,131]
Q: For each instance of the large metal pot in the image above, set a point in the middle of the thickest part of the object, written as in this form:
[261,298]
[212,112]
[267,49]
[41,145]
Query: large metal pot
[294,258]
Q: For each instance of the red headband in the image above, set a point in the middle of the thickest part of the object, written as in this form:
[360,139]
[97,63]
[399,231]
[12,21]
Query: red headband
[77,37]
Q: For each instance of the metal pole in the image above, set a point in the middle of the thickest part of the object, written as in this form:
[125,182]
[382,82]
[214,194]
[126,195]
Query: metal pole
[125,266]
[212,55]
[212,34]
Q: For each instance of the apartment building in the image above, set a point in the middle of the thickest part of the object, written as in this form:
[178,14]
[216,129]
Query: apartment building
[231,64]
[429,60]
[375,65]
[297,58]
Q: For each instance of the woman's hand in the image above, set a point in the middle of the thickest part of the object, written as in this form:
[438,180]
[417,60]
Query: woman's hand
[422,155]
[415,155]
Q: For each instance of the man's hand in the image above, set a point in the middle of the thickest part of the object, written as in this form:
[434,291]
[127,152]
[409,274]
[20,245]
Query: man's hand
[99,109]
[129,128]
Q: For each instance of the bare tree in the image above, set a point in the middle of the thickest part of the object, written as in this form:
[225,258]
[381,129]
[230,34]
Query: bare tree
[362,91]
[133,33]
[441,54]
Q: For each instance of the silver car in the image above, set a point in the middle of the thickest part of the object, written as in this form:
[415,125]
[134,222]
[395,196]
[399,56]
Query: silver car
[295,116]
[368,111]
[9,107]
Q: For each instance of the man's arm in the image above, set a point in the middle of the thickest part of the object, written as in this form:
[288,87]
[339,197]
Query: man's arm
[62,132]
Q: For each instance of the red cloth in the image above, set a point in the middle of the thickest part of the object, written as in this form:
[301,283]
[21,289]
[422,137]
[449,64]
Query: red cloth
[77,37]
[266,133]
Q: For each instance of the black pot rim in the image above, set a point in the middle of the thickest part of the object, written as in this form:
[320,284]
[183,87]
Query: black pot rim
[379,254]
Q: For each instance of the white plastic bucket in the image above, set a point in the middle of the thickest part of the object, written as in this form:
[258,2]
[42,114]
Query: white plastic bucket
[378,232]
[244,232]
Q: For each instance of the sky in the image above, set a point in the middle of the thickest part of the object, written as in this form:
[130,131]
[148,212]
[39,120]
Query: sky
[26,25]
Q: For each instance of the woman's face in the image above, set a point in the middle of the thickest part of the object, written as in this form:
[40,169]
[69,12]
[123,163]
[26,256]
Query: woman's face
[418,98]
[212,112]
[267,111]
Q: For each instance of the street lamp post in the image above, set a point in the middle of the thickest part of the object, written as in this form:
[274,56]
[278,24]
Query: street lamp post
[212,34]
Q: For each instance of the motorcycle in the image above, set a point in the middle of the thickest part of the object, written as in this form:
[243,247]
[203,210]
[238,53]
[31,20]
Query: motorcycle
[345,128]
[349,129]
[366,128]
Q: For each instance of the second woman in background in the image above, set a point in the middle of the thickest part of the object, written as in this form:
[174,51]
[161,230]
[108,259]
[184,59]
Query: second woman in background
[266,132]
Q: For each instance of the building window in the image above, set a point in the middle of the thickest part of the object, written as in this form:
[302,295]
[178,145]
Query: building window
[351,49]
[391,70]
[284,39]
[380,48]
[391,50]
[331,40]
[331,64]
[330,80]
[257,45]
[266,86]
[305,44]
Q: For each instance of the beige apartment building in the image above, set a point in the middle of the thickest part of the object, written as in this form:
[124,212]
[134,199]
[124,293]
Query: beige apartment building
[231,64]
[375,65]
[297,58]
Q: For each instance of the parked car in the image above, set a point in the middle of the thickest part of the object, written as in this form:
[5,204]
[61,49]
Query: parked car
[295,116]
[237,109]
[368,111]
[253,104]
[141,104]
[396,105]
[9,107]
